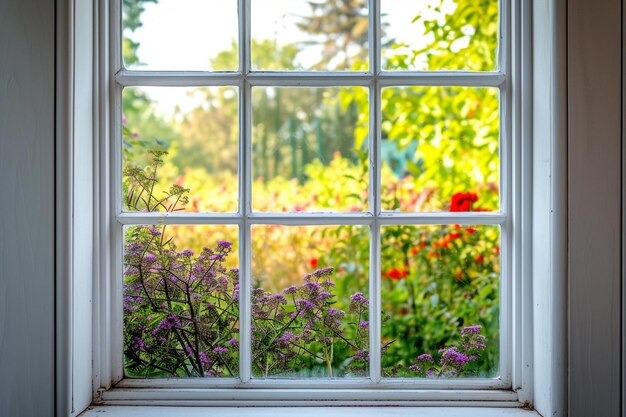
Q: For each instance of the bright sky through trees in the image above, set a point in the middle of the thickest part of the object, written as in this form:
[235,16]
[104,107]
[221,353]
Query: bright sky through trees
[210,26]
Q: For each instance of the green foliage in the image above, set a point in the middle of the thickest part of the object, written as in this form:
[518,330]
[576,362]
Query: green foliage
[455,136]
[181,310]
[435,279]
[459,34]
[436,142]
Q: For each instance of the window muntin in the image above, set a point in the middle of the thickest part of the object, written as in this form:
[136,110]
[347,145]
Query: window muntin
[246,82]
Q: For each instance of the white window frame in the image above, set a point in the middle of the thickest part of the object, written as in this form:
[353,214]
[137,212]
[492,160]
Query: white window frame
[532,321]
[375,79]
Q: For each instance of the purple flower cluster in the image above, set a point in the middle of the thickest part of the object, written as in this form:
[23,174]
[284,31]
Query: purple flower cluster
[303,324]
[453,360]
[468,330]
[178,307]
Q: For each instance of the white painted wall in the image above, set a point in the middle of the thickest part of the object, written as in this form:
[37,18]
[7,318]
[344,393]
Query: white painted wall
[26,207]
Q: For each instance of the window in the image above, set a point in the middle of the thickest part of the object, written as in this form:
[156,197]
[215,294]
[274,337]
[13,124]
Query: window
[217,293]
[388,161]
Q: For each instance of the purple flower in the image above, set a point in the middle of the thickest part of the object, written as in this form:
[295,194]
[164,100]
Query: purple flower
[154,232]
[286,337]
[361,355]
[168,323]
[323,271]
[278,297]
[233,341]
[471,330]
[358,298]
[220,349]
[312,286]
[187,252]
[134,248]
[204,359]
[224,244]
[305,304]
[453,357]
[290,290]
[364,324]
[131,271]
[324,295]
[150,258]
[335,312]
[140,344]
[415,368]
[425,357]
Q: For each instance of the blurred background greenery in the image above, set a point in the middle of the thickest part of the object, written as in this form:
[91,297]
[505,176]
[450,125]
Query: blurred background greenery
[310,153]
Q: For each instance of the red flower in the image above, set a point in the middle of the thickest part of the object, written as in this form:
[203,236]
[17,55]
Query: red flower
[463,201]
[470,230]
[480,259]
[397,274]
[454,235]
[313,262]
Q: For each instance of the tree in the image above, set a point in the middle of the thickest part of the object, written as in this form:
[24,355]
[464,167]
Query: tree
[291,126]
[341,28]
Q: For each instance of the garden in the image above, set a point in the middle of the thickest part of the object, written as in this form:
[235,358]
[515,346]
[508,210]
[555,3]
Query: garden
[439,284]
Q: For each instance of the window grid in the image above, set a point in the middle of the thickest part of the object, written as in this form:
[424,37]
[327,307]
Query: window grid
[375,80]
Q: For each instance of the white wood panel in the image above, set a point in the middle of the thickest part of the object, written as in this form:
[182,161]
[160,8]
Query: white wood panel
[594,107]
[83,207]
[549,234]
[306,412]
[26,207]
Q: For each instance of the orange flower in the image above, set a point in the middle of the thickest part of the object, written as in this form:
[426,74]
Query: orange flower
[458,274]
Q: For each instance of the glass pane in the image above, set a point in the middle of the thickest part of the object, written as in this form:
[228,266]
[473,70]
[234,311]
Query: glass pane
[440,301]
[180,149]
[440,149]
[181,308]
[439,35]
[320,35]
[309,302]
[184,35]
[310,149]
